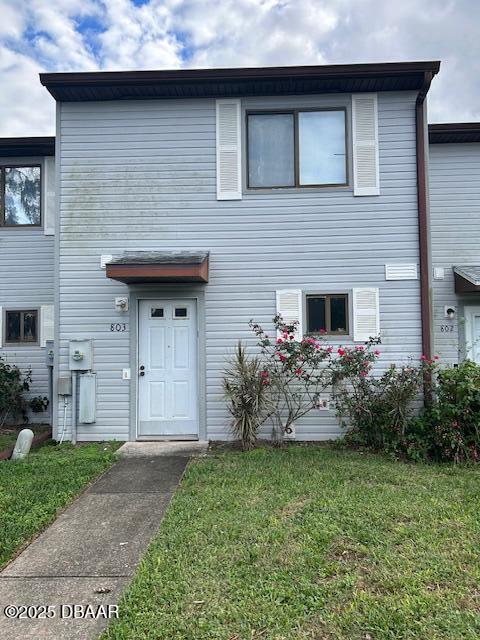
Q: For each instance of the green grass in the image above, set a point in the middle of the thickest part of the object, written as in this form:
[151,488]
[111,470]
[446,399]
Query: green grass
[311,542]
[8,435]
[32,491]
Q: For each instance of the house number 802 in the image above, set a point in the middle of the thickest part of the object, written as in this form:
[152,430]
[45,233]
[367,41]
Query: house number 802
[118,327]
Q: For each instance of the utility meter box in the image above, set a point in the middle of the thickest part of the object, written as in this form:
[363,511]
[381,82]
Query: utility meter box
[80,355]
[49,353]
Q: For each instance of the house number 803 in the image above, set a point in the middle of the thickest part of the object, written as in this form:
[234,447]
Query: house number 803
[446,328]
[118,327]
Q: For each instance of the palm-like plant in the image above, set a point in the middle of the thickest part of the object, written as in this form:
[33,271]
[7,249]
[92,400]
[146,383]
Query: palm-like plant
[245,386]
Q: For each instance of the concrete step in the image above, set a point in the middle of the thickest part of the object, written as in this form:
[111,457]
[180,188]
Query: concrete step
[164,448]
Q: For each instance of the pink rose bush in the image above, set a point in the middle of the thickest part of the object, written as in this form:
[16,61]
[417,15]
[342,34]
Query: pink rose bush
[298,372]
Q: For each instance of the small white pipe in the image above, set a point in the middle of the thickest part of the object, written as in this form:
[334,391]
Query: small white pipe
[64,419]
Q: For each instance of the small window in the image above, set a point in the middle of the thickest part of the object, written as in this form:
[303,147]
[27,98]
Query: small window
[20,196]
[157,312]
[299,148]
[181,312]
[327,314]
[21,326]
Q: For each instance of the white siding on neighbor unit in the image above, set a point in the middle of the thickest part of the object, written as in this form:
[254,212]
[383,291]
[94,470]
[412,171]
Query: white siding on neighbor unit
[454,177]
[48,194]
[142,175]
[26,282]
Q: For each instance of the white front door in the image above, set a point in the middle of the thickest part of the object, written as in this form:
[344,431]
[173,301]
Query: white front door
[167,368]
[472,333]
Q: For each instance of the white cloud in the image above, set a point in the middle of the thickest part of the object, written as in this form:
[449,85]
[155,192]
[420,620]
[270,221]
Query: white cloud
[139,37]
[46,35]
[25,107]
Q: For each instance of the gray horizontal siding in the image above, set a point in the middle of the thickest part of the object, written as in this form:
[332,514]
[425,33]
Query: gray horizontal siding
[26,281]
[141,175]
[454,177]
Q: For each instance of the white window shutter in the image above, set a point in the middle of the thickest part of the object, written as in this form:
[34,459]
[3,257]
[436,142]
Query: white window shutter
[229,143]
[46,324]
[366,314]
[1,326]
[49,196]
[289,306]
[366,172]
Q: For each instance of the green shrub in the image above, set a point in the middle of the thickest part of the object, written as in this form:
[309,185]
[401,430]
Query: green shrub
[379,412]
[455,415]
[14,385]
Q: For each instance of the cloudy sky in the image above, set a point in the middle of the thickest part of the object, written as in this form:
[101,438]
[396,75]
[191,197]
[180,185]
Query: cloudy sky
[88,35]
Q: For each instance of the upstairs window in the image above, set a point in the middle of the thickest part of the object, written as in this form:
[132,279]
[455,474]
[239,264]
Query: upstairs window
[299,148]
[20,196]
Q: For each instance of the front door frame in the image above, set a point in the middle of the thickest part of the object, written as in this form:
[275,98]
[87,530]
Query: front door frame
[469,312]
[167,292]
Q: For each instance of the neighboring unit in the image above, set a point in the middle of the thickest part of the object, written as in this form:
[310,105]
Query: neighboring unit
[27,221]
[455,238]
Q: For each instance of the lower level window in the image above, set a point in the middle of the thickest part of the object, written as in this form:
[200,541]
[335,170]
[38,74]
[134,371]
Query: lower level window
[327,314]
[21,326]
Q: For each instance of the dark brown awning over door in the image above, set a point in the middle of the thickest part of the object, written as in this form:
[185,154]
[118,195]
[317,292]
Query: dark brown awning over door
[467,279]
[143,267]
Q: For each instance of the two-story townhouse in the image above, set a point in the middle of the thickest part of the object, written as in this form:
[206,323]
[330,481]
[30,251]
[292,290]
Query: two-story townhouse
[189,202]
[27,209]
[454,172]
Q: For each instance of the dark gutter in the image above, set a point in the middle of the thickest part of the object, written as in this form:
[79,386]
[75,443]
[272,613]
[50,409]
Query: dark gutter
[422,198]
[23,147]
[454,132]
[184,83]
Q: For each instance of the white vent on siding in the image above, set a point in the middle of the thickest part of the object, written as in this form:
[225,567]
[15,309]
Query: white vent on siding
[365,144]
[49,196]
[229,163]
[401,272]
[289,306]
[366,314]
[46,324]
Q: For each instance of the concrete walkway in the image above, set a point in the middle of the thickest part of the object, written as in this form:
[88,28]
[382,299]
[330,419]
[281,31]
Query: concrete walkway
[90,553]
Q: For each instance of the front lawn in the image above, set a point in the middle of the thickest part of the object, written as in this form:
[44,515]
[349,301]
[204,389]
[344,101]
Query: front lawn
[32,491]
[311,542]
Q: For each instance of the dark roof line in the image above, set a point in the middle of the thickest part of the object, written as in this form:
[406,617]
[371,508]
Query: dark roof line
[451,132]
[22,147]
[183,83]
